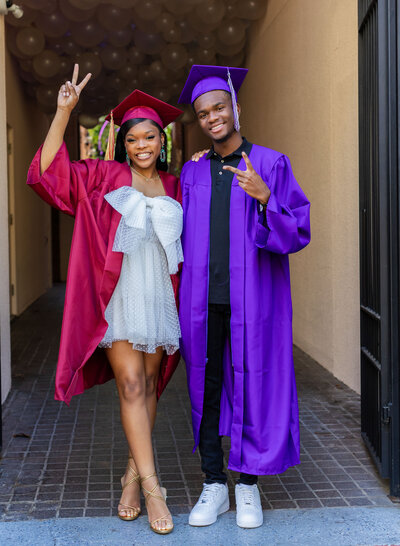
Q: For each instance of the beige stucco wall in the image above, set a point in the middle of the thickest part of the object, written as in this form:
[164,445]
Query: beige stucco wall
[32,217]
[5,352]
[300,97]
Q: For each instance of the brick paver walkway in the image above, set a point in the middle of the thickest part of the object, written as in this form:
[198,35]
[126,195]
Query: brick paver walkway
[61,461]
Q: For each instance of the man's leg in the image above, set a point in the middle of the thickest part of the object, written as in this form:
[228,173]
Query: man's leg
[212,456]
[248,503]
[247,479]
[214,499]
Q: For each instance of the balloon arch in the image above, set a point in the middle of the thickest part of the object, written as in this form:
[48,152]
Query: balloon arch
[125,44]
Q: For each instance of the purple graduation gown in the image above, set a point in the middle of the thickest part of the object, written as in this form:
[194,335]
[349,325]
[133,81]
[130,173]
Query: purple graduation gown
[259,408]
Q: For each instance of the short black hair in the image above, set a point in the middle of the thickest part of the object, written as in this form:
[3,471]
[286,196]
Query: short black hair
[120,150]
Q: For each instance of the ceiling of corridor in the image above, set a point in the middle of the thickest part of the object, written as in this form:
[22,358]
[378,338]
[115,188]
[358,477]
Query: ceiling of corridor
[125,44]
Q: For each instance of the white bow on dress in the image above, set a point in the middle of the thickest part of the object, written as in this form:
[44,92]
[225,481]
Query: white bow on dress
[166,218]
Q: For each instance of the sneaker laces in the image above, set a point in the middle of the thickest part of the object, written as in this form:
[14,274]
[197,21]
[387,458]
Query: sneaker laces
[247,495]
[210,491]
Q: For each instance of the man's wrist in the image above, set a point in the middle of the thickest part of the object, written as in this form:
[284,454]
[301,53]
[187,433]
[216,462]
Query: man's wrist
[264,200]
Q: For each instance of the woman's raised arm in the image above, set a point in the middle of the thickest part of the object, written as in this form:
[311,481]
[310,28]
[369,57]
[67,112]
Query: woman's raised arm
[68,97]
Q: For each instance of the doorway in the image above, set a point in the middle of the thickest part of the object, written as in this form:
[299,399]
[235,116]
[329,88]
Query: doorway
[379,233]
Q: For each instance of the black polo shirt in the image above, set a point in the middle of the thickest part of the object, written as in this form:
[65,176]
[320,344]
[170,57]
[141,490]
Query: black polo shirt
[218,287]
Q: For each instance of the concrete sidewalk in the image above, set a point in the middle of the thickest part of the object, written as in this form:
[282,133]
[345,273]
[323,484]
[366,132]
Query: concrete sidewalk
[61,466]
[372,526]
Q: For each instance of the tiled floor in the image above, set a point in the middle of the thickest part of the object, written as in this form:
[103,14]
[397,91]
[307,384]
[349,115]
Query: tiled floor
[61,461]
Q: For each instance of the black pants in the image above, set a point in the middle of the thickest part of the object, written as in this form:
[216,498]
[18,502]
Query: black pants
[212,455]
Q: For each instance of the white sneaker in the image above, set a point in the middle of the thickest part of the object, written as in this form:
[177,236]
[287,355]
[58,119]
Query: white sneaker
[213,501]
[248,506]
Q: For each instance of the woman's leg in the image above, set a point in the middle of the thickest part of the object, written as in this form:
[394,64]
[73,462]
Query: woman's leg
[152,363]
[129,371]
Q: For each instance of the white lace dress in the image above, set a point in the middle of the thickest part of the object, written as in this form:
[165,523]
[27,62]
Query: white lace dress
[142,308]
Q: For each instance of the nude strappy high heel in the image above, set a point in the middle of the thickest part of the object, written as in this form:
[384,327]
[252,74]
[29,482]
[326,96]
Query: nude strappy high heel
[147,496]
[134,478]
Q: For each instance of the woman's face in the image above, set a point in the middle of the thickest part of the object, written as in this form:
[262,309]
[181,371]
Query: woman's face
[143,144]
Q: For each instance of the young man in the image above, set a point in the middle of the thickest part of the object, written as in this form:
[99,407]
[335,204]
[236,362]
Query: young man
[243,214]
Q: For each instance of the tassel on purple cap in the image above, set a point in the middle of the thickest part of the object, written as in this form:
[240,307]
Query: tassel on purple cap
[234,103]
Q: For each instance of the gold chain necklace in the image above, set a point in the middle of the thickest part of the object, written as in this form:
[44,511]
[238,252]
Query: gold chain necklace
[143,176]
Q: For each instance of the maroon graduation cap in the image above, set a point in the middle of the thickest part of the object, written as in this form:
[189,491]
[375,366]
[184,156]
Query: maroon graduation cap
[139,105]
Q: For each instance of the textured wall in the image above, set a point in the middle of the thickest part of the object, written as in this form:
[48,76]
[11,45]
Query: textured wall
[5,356]
[32,220]
[300,97]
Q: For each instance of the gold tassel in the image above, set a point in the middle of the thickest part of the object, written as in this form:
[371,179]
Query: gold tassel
[110,141]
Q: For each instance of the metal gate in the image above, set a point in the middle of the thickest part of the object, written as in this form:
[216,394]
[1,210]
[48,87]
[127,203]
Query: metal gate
[379,233]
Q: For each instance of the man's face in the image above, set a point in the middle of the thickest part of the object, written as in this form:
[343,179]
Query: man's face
[215,115]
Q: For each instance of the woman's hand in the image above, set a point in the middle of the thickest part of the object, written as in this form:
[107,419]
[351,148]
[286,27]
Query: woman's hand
[68,97]
[196,156]
[68,94]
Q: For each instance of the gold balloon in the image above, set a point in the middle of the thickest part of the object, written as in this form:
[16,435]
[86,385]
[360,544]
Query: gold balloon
[173,35]
[251,9]
[11,41]
[210,12]
[164,22]
[121,37]
[66,66]
[47,95]
[206,40]
[70,47]
[136,56]
[231,32]
[232,60]
[186,31]
[53,25]
[158,70]
[46,64]
[113,58]
[174,56]
[85,4]
[148,10]
[231,49]
[205,56]
[73,13]
[151,44]
[178,7]
[162,93]
[113,18]
[89,62]
[87,34]
[30,41]
[128,72]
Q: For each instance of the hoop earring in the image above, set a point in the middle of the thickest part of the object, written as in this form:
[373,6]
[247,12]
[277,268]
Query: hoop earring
[127,158]
[163,155]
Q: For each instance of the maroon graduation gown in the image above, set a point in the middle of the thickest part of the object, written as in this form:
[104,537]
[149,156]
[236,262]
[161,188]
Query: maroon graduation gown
[78,189]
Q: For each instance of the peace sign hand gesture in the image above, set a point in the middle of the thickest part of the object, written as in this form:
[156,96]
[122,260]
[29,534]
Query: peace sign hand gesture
[68,94]
[250,181]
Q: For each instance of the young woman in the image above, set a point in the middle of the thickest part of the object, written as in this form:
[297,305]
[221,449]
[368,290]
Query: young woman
[120,316]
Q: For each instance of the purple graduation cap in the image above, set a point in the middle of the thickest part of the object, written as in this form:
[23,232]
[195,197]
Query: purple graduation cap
[203,78]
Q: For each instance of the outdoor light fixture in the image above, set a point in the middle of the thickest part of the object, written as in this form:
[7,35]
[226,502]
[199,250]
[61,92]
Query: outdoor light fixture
[6,6]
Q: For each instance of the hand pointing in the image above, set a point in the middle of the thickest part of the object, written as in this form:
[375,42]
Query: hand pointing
[250,181]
